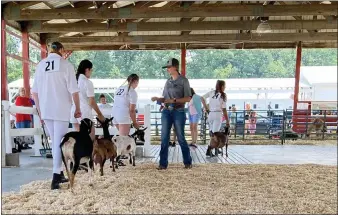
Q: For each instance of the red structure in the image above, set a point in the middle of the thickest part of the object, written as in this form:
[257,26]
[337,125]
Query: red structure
[25,62]
[4,87]
[43,48]
[183,60]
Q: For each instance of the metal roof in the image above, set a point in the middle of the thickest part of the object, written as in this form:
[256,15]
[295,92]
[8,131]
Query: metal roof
[100,25]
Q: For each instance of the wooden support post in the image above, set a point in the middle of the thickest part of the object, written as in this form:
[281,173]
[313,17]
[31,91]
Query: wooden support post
[25,62]
[4,87]
[183,60]
[44,51]
[297,75]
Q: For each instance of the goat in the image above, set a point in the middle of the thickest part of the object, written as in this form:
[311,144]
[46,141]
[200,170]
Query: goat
[126,145]
[77,146]
[218,141]
[104,148]
[318,125]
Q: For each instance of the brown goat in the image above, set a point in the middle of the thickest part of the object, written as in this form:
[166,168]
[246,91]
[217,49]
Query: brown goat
[104,148]
[217,141]
[318,125]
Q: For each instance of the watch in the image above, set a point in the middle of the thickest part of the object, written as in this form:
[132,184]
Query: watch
[174,100]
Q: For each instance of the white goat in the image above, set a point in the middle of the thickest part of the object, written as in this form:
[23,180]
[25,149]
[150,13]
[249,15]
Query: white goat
[125,145]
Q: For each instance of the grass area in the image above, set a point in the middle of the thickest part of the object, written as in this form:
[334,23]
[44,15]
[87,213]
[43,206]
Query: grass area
[204,189]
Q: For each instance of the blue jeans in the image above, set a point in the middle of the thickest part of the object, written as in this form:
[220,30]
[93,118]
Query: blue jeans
[23,124]
[176,117]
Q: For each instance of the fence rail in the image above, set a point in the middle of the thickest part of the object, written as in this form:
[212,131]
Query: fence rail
[8,133]
[270,125]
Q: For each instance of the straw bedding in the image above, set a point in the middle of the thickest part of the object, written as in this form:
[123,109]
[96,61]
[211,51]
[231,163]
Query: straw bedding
[207,188]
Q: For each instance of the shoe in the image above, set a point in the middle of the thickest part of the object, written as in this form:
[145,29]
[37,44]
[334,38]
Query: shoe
[63,179]
[56,181]
[193,145]
[173,144]
[161,168]
[188,166]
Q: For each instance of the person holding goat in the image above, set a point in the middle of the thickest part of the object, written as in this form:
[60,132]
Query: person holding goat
[217,106]
[86,94]
[124,107]
[53,89]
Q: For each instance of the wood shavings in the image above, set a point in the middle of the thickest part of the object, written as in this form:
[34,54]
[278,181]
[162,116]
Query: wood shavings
[204,189]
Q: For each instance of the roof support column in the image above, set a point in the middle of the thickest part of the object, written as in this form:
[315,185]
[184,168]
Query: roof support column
[43,44]
[183,60]
[297,75]
[25,62]
[4,84]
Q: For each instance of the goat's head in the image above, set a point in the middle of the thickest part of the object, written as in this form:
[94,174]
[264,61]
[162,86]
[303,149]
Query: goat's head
[105,122]
[139,134]
[86,125]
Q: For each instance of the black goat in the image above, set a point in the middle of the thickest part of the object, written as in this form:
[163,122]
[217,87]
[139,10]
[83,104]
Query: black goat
[77,146]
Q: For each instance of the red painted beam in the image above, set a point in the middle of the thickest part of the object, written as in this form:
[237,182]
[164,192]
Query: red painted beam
[43,48]
[297,75]
[183,60]
[4,83]
[25,62]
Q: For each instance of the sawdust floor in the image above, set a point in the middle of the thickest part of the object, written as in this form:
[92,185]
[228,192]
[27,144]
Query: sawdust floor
[207,188]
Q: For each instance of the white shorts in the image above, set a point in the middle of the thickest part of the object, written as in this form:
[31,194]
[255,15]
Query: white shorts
[84,114]
[121,117]
[215,121]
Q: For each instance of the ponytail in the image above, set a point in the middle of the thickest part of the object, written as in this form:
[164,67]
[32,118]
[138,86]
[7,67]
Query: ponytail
[81,69]
[131,78]
[219,86]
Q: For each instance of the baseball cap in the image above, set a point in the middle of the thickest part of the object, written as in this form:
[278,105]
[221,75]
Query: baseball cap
[172,62]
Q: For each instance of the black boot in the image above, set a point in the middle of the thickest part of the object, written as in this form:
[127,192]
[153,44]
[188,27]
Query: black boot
[56,181]
[63,179]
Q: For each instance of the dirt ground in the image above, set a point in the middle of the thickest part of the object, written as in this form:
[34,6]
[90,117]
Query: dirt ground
[204,189]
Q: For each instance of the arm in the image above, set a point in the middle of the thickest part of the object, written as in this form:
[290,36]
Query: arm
[132,107]
[225,114]
[37,104]
[159,99]
[132,113]
[93,104]
[91,95]
[204,104]
[73,89]
[35,93]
